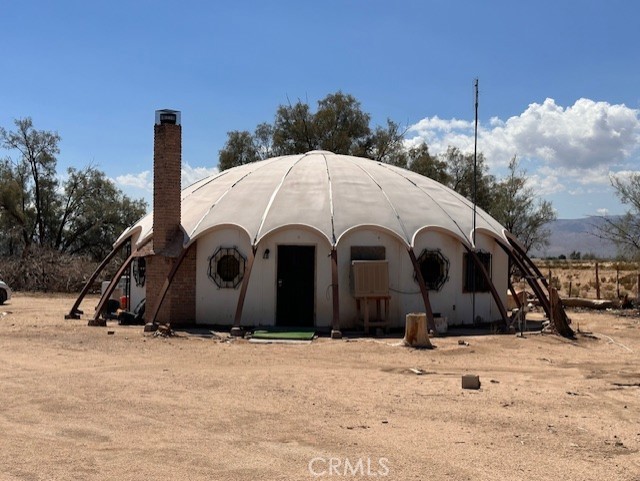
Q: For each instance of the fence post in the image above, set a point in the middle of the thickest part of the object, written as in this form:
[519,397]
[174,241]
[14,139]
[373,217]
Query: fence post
[597,283]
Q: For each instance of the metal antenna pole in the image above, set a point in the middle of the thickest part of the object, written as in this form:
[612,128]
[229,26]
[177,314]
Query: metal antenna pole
[475,199]
[475,164]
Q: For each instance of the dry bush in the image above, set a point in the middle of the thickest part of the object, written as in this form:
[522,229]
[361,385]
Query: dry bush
[46,270]
[580,277]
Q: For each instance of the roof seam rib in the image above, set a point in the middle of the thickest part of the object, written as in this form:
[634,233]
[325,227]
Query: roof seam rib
[399,219]
[273,197]
[464,235]
[333,229]
[225,193]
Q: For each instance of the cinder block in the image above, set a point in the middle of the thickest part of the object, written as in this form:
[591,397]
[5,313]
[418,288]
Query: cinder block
[470,381]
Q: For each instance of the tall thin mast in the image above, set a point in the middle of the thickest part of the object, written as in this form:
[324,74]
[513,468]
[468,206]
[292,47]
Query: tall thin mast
[475,202]
[475,165]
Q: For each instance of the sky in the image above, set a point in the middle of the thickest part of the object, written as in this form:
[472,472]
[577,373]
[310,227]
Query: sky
[559,81]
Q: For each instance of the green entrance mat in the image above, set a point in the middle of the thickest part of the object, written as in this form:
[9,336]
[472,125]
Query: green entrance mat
[289,335]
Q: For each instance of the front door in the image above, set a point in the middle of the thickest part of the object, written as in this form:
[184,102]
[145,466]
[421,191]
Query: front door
[296,286]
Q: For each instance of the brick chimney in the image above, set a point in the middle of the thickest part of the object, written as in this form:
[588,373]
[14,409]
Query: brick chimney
[167,165]
[178,307]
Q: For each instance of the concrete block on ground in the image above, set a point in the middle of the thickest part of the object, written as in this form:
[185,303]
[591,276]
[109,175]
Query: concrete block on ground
[470,381]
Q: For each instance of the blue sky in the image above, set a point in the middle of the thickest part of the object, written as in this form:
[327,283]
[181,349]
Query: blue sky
[558,79]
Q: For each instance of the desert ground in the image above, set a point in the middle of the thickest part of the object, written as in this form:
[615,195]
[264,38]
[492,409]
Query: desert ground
[96,403]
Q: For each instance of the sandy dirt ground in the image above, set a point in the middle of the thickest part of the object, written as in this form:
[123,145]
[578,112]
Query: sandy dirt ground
[81,403]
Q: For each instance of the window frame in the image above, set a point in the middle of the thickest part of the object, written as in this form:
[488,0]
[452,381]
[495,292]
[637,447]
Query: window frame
[470,270]
[213,270]
[443,276]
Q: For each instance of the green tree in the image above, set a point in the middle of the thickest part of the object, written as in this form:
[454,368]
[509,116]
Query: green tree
[294,130]
[422,162]
[516,207]
[624,230]
[239,149]
[84,215]
[460,170]
[93,213]
[338,125]
[34,172]
[385,144]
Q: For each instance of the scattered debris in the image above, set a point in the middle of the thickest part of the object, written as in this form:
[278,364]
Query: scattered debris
[416,371]
[163,330]
[616,442]
[100,322]
[494,381]
[612,341]
[597,304]
[111,333]
[571,393]
[150,327]
[462,342]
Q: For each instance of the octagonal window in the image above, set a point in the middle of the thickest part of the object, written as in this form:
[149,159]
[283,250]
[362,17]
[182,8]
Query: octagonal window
[226,267]
[434,268]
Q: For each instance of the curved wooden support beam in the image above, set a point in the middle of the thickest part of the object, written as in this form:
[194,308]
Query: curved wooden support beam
[531,279]
[492,287]
[335,322]
[74,312]
[243,289]
[167,284]
[531,264]
[112,285]
[431,324]
[516,298]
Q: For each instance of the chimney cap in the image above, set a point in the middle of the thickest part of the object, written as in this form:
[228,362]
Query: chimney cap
[167,116]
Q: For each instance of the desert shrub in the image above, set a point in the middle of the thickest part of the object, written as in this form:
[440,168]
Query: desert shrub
[47,270]
[628,281]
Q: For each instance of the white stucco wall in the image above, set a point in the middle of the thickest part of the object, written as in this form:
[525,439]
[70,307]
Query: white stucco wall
[400,277]
[447,300]
[261,310]
[216,305]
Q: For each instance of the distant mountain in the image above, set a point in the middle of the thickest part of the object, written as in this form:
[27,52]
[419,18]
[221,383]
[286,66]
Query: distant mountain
[569,235]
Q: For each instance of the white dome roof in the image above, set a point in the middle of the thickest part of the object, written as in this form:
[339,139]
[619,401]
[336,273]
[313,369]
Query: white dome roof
[329,193]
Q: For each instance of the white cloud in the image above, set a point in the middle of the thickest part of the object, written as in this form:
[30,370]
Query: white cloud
[603,211]
[144,180]
[545,182]
[596,136]
[193,174]
[141,180]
